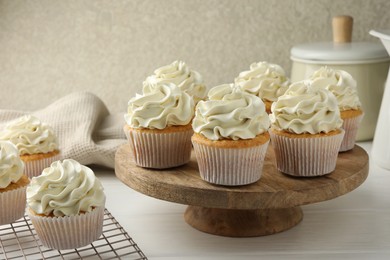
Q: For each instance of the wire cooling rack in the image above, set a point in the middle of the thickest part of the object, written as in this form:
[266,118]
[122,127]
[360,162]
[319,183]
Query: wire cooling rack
[19,241]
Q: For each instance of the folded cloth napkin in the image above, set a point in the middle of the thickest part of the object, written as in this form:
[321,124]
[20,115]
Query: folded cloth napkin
[85,129]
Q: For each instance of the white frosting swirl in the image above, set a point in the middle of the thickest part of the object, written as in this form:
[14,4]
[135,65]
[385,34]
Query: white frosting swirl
[164,105]
[265,80]
[230,113]
[306,109]
[30,135]
[341,84]
[11,166]
[178,73]
[65,189]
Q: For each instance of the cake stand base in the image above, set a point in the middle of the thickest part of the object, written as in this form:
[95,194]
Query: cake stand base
[242,223]
[266,207]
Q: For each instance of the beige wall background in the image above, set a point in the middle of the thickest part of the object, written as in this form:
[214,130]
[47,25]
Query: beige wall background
[51,48]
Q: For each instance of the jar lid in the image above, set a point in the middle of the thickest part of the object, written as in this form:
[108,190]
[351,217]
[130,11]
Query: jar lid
[342,50]
[339,53]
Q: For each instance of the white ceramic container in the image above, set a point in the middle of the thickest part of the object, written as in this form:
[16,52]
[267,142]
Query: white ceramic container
[381,145]
[367,62]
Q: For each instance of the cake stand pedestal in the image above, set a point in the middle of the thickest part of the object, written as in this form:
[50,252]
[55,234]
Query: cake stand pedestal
[268,206]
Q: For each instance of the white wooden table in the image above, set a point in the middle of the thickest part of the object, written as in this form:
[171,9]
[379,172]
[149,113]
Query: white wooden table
[353,226]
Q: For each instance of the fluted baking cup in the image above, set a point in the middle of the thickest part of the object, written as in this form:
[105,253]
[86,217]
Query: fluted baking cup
[351,127]
[12,205]
[230,166]
[306,157]
[35,167]
[69,231]
[160,150]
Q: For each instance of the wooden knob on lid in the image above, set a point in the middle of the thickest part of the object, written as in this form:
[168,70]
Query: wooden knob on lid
[342,28]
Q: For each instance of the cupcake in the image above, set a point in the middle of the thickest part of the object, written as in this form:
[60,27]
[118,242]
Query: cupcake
[36,142]
[231,138]
[66,205]
[306,131]
[343,86]
[178,73]
[13,184]
[265,80]
[158,127]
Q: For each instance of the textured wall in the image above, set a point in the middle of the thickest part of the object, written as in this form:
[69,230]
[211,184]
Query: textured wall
[50,48]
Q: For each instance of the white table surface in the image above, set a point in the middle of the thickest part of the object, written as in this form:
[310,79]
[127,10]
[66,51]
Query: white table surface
[353,226]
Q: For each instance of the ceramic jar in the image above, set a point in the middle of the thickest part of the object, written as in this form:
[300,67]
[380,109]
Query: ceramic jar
[367,62]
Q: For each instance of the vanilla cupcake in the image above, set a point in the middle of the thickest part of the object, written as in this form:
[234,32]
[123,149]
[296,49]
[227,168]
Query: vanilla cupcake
[306,131]
[343,86]
[181,75]
[265,80]
[231,136]
[66,205]
[158,127]
[36,142]
[13,184]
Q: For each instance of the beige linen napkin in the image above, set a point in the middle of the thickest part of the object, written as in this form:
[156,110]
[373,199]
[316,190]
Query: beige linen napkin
[86,131]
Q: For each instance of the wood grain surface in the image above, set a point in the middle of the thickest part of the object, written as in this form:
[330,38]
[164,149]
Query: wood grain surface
[274,190]
[242,223]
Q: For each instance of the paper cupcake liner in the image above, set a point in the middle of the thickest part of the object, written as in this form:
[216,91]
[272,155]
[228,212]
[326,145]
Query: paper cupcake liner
[230,166]
[351,127]
[306,157]
[160,150]
[12,205]
[69,231]
[35,167]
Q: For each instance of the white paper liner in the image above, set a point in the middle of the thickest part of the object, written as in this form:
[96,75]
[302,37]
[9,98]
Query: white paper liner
[160,150]
[69,232]
[12,205]
[351,127]
[35,167]
[306,157]
[230,166]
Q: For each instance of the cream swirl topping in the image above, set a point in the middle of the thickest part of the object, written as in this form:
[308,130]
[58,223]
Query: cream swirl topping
[164,105]
[306,109]
[11,166]
[263,79]
[65,188]
[178,73]
[230,113]
[30,135]
[341,84]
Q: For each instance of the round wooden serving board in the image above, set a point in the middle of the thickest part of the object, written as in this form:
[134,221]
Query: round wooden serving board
[268,206]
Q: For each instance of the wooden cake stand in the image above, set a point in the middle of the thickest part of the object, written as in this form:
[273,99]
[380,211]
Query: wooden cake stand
[266,207]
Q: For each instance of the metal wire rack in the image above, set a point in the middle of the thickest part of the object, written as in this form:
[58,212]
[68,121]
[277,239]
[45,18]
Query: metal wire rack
[20,241]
